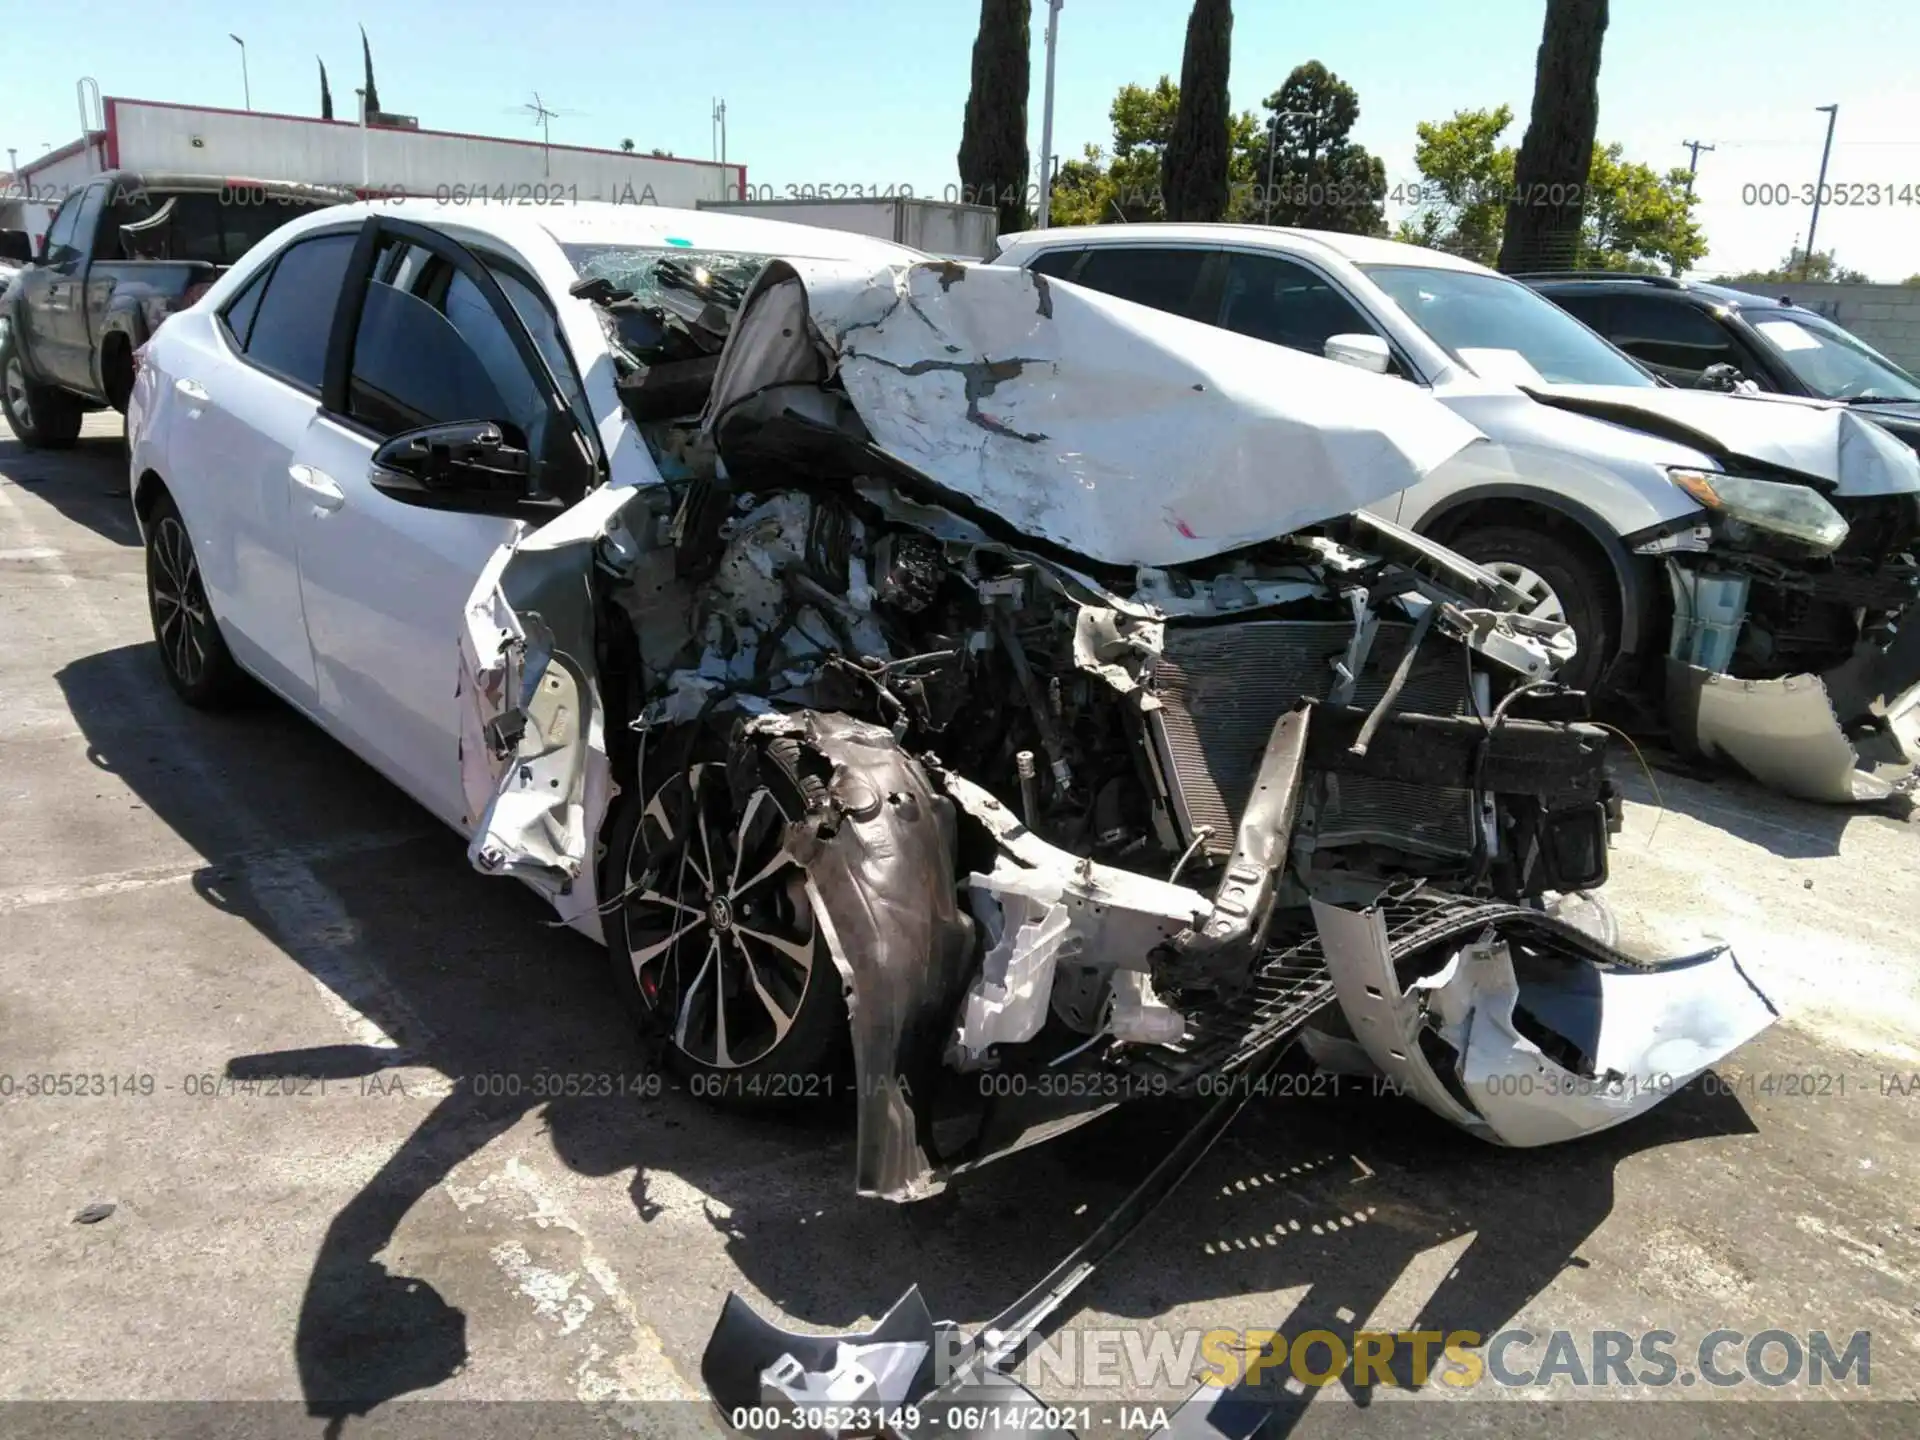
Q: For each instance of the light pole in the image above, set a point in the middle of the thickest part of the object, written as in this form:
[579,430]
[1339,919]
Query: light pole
[1806,255]
[1273,145]
[1046,116]
[246,88]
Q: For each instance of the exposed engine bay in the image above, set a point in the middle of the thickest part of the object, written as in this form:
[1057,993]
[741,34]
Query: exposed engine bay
[998,679]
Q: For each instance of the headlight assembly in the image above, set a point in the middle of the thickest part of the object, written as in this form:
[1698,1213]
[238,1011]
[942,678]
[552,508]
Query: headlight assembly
[1796,511]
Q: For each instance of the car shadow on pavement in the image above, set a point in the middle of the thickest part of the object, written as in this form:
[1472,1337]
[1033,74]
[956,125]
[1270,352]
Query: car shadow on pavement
[379,904]
[1728,801]
[87,483]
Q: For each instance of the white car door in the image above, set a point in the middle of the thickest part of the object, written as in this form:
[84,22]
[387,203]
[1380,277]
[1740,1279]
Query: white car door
[384,581]
[246,386]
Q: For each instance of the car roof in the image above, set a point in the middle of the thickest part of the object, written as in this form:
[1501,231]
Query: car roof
[599,222]
[1357,249]
[1658,286]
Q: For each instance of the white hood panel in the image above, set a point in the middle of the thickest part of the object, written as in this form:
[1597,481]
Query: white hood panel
[1126,435]
[1819,438]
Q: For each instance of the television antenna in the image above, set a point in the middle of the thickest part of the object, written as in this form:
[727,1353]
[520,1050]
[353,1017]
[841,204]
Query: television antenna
[543,115]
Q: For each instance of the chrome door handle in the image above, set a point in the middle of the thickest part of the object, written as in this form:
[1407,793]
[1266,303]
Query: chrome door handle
[192,389]
[321,488]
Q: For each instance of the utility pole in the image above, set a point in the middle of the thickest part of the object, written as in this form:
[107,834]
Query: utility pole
[1273,145]
[246,88]
[1806,255]
[718,129]
[1046,116]
[1693,149]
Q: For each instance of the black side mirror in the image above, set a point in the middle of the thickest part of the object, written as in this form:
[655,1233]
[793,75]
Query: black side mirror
[473,465]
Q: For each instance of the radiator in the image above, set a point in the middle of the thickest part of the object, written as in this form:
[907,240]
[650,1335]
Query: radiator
[1222,687]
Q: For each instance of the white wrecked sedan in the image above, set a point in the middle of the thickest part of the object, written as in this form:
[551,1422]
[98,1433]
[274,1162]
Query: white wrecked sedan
[909,664]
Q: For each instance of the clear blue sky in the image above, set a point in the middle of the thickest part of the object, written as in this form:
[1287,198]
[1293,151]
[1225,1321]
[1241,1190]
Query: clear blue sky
[871,91]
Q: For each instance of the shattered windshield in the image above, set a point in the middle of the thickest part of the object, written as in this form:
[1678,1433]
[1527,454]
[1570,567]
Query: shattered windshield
[664,302]
[1501,330]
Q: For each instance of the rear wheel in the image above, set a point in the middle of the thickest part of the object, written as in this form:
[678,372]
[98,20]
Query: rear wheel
[714,943]
[38,415]
[1560,581]
[192,652]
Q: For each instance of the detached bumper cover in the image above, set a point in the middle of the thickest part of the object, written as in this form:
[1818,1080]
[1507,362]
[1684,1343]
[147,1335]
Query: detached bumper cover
[1500,987]
[1792,733]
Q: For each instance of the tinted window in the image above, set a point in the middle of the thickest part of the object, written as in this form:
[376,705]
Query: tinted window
[73,224]
[1057,263]
[1589,309]
[293,317]
[1501,330]
[1164,279]
[198,224]
[1276,300]
[239,312]
[1675,338]
[430,350]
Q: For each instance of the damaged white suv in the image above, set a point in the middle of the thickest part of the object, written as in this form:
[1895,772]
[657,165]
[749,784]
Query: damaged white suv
[912,664]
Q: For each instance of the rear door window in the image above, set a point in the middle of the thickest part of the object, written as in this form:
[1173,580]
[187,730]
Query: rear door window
[60,233]
[294,316]
[238,316]
[1675,339]
[1166,279]
[1057,263]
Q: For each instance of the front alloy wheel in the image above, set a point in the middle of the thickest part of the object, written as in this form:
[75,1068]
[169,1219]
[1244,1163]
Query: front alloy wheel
[720,937]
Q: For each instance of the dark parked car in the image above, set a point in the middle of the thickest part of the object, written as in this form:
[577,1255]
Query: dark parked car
[123,253]
[1697,335]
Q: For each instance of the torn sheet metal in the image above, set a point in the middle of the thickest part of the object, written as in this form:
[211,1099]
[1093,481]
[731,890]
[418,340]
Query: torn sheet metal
[1124,434]
[1825,440]
[1451,1038]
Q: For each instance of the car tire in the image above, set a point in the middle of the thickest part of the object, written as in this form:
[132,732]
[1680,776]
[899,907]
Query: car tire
[1563,581]
[194,655]
[676,942]
[40,416]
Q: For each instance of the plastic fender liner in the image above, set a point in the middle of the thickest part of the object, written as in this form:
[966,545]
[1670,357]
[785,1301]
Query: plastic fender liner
[879,858]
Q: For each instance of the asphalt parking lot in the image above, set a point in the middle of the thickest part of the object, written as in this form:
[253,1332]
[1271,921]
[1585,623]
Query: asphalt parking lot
[195,908]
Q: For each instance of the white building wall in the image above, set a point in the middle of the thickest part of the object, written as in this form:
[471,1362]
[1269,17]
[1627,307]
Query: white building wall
[249,144]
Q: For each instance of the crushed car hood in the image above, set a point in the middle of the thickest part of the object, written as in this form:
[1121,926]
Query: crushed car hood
[1123,434]
[1829,443]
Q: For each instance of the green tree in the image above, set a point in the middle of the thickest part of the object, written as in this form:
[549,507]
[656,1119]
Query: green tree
[1544,210]
[1911,280]
[1631,217]
[326,95]
[1636,220]
[993,137]
[627,145]
[1194,166]
[1822,267]
[1466,174]
[1320,178]
[366,59]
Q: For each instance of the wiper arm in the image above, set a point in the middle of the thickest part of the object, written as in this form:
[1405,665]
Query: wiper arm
[1883,400]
